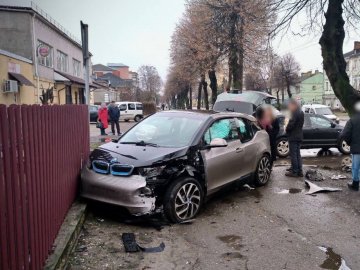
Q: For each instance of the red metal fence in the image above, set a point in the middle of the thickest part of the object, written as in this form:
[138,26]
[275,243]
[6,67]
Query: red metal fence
[42,149]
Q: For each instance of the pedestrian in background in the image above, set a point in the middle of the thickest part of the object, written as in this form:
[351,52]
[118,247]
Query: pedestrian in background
[103,118]
[351,134]
[294,131]
[268,121]
[114,115]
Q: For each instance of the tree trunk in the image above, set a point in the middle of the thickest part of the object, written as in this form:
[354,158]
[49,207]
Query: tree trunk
[331,42]
[206,95]
[288,90]
[282,95]
[190,97]
[213,86]
[199,95]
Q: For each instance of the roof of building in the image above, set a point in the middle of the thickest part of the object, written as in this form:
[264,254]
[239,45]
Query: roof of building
[117,65]
[115,81]
[352,53]
[66,77]
[15,56]
[101,67]
[46,18]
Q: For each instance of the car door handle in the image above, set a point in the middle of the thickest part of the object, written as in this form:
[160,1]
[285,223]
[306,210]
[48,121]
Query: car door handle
[239,149]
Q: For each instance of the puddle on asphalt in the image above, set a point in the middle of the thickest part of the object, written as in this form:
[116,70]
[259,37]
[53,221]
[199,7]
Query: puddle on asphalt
[333,260]
[232,255]
[232,241]
[290,191]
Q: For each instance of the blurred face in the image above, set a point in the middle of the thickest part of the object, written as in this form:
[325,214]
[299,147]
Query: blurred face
[268,115]
[292,107]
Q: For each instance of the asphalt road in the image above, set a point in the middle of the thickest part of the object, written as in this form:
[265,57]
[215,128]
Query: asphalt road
[274,227]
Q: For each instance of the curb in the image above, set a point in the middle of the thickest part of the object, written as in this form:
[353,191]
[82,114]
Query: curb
[67,236]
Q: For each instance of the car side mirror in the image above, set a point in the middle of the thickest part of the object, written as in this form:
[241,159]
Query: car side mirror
[216,143]
[333,125]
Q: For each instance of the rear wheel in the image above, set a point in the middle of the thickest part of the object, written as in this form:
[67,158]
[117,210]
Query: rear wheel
[263,171]
[282,147]
[344,147]
[138,118]
[183,199]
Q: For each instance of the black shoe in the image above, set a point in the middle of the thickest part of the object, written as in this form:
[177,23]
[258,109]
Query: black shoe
[301,174]
[289,169]
[291,174]
[354,185]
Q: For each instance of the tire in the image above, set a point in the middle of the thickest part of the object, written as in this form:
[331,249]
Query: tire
[187,207]
[282,147]
[263,171]
[344,147]
[137,118]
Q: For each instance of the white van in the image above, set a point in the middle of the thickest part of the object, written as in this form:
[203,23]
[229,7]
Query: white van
[320,109]
[130,110]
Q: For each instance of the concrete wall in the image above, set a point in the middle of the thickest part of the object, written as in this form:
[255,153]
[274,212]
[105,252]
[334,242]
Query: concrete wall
[26,94]
[15,33]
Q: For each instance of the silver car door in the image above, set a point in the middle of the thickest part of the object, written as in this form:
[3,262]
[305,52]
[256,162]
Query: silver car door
[221,164]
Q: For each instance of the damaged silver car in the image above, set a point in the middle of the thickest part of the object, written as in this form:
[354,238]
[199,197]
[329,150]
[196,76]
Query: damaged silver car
[171,161]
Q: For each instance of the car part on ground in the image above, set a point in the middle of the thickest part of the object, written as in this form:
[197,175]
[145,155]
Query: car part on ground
[314,175]
[171,161]
[316,189]
[131,245]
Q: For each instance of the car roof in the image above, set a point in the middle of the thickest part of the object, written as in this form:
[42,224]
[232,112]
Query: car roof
[208,114]
[315,106]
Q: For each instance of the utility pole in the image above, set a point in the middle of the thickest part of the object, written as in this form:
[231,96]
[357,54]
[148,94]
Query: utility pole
[86,59]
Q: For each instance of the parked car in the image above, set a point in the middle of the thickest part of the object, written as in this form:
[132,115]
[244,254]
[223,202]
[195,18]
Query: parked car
[93,111]
[131,111]
[174,159]
[322,110]
[319,132]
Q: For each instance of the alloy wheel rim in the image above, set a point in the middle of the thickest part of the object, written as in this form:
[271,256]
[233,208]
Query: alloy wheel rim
[345,146]
[283,147]
[187,201]
[264,170]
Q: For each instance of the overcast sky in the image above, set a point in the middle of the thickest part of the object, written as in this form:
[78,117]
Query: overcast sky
[138,32]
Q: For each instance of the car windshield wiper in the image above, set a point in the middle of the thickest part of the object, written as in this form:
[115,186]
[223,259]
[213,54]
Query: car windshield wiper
[141,143]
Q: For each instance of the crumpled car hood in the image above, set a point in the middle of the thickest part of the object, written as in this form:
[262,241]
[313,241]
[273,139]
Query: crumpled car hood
[138,156]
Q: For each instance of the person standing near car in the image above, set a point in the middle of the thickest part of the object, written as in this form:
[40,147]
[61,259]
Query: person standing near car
[114,115]
[268,121]
[103,118]
[294,131]
[351,134]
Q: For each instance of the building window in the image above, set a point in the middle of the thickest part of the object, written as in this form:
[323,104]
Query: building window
[44,54]
[62,61]
[326,86]
[76,68]
[314,87]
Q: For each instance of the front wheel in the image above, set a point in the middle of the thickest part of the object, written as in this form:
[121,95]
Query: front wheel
[263,171]
[282,147]
[344,147]
[183,199]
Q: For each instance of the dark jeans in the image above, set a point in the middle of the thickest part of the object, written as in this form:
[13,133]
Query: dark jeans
[296,161]
[102,131]
[113,124]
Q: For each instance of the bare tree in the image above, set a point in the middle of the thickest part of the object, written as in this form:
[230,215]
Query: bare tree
[289,70]
[150,81]
[332,17]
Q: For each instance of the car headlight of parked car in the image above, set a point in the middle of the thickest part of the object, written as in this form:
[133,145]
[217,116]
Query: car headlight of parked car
[152,172]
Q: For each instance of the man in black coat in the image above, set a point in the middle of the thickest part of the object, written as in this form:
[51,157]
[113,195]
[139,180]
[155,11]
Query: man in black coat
[294,131]
[114,115]
[351,134]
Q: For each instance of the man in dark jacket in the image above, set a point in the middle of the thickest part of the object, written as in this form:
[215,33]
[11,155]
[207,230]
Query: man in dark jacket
[351,134]
[114,115]
[294,131]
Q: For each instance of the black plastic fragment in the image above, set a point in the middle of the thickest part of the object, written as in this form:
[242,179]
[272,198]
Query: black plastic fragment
[130,244]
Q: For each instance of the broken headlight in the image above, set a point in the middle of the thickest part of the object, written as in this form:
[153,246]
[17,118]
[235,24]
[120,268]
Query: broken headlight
[152,172]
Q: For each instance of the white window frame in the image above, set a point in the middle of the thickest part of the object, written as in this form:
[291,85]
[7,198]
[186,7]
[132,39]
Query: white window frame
[47,61]
[62,61]
[76,67]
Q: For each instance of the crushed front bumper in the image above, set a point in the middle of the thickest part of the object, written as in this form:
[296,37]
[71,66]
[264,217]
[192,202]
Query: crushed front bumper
[122,191]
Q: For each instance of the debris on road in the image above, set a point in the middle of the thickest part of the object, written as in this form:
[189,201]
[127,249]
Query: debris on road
[248,187]
[131,245]
[338,177]
[314,175]
[316,189]
[333,260]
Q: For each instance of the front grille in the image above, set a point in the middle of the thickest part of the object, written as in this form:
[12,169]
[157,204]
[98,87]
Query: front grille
[121,169]
[100,166]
